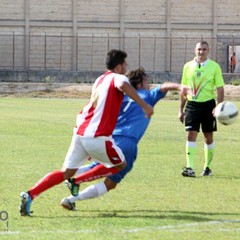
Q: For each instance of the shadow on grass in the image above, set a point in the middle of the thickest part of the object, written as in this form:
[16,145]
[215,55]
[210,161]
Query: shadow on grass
[214,177]
[145,214]
[227,177]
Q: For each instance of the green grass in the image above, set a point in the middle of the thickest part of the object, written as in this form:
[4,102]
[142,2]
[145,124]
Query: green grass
[153,202]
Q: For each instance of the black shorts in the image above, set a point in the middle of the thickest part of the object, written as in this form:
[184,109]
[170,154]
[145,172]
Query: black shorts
[197,114]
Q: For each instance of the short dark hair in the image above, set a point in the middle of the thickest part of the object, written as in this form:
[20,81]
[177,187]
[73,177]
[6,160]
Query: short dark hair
[114,58]
[204,43]
[136,76]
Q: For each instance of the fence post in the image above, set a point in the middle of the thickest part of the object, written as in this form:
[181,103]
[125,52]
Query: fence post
[108,43]
[170,59]
[215,28]
[139,51]
[13,51]
[233,44]
[123,42]
[168,53]
[154,52]
[77,52]
[45,51]
[216,48]
[27,35]
[92,54]
[61,52]
[74,46]
[74,33]
[186,42]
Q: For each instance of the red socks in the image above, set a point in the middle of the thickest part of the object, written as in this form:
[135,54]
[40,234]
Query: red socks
[48,181]
[95,173]
[54,178]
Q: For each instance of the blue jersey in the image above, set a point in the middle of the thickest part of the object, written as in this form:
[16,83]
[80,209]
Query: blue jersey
[131,125]
[131,119]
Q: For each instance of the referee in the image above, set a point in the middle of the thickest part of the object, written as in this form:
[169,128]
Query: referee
[203,76]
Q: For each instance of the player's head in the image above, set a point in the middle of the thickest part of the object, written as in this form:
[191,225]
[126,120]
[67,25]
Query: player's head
[116,61]
[138,78]
[201,51]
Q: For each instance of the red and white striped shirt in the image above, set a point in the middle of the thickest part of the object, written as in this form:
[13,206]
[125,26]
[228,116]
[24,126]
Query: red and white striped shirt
[99,116]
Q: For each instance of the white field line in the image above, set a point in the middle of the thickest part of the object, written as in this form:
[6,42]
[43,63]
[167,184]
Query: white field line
[9,232]
[47,231]
[179,227]
[189,227]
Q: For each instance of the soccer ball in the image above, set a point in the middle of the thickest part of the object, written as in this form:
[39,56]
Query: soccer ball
[226,112]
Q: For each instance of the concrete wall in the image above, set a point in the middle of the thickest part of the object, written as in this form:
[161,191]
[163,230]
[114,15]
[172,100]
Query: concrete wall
[72,35]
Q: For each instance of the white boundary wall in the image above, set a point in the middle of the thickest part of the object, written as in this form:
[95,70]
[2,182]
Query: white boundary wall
[168,24]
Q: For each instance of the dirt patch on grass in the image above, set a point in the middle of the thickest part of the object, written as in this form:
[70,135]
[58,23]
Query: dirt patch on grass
[45,90]
[70,90]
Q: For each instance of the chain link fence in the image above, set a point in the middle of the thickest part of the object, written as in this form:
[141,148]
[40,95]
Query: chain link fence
[87,53]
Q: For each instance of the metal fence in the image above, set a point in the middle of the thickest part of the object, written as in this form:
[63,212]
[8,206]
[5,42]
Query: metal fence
[87,53]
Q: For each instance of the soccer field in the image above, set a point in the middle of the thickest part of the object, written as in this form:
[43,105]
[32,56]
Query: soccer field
[153,202]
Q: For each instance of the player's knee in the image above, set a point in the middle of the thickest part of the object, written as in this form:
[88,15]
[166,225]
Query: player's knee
[110,185]
[192,136]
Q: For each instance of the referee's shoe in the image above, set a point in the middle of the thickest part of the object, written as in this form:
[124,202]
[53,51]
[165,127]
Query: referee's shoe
[188,172]
[207,172]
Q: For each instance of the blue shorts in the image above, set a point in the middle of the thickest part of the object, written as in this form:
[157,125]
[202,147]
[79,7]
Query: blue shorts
[129,149]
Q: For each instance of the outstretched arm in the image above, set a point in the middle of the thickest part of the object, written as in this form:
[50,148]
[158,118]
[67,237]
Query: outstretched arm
[184,91]
[168,86]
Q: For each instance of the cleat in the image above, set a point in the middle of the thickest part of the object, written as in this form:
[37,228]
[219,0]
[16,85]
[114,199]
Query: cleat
[188,172]
[72,186]
[25,203]
[68,205]
[207,172]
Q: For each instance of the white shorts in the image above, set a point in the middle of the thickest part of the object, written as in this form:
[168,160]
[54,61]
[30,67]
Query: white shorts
[101,149]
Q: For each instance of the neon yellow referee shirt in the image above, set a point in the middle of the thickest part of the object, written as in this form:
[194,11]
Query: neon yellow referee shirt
[202,79]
